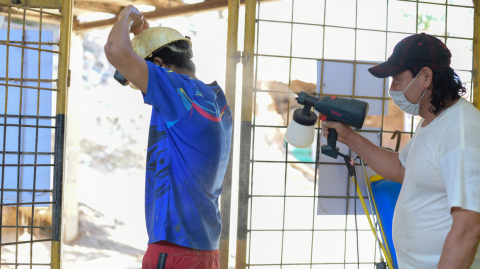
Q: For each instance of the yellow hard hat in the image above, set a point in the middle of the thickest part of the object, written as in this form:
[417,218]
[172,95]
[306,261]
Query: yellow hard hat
[153,38]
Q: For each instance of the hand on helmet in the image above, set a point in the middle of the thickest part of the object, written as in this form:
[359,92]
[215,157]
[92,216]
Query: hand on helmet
[144,26]
[134,16]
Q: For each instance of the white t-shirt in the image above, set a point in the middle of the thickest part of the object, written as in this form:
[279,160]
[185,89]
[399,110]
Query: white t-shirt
[442,170]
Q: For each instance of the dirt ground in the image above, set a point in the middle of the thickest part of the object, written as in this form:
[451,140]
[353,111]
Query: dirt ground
[112,231]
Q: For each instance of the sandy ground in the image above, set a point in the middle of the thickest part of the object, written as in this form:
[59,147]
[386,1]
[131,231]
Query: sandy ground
[112,230]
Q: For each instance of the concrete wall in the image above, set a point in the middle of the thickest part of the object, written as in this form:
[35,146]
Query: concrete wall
[73,140]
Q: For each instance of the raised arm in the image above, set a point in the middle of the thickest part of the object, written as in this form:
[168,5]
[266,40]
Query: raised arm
[119,50]
[382,161]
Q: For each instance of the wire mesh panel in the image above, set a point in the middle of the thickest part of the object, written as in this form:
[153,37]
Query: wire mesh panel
[303,211]
[34,42]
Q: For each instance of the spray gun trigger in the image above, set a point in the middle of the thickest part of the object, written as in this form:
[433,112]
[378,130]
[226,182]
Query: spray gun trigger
[323,118]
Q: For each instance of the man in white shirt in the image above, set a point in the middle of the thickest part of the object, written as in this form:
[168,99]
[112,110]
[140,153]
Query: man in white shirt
[437,217]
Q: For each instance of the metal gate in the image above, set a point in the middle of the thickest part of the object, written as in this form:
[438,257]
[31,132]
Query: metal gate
[34,55]
[290,46]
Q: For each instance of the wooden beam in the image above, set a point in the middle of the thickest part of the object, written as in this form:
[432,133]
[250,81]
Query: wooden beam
[98,7]
[161,13]
[162,4]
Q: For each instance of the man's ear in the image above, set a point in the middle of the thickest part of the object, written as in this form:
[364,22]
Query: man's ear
[158,61]
[428,77]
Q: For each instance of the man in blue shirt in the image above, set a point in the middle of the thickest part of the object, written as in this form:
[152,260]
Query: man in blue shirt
[188,144]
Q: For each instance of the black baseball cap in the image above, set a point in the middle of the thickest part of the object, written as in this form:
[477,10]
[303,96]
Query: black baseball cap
[415,51]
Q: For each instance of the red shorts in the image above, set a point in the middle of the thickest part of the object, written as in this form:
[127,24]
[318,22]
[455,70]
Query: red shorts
[165,255]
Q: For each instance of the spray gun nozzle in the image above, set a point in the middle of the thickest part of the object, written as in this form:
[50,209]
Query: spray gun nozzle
[306,111]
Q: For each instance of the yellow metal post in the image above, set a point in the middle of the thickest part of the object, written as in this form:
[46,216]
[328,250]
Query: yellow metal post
[245,134]
[233,55]
[476,55]
[233,58]
[64,55]
[62,86]
[248,56]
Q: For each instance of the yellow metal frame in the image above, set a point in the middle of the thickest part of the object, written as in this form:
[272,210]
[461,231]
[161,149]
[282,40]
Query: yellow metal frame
[62,96]
[476,55]
[233,58]
[49,4]
[64,55]
[246,163]
[65,9]
[245,132]
[247,60]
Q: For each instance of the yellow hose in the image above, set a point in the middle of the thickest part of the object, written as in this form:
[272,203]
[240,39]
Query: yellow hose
[376,210]
[385,253]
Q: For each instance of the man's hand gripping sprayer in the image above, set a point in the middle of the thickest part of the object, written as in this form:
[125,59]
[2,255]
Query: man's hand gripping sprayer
[301,129]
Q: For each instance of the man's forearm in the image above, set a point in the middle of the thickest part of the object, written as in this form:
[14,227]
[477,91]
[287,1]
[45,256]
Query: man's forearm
[119,37]
[458,251]
[119,50]
[382,161]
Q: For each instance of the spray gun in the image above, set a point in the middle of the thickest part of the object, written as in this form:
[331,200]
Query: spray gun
[120,78]
[300,132]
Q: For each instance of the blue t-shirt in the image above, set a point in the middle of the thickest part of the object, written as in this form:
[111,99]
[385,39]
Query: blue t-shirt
[188,149]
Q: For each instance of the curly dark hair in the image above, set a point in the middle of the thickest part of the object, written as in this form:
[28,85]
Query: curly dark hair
[447,87]
[170,57]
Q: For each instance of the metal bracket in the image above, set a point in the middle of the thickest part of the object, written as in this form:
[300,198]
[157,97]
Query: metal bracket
[381,265]
[237,56]
[398,134]
[244,57]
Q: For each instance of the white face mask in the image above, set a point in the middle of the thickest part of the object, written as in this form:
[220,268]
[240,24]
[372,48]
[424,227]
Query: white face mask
[401,101]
